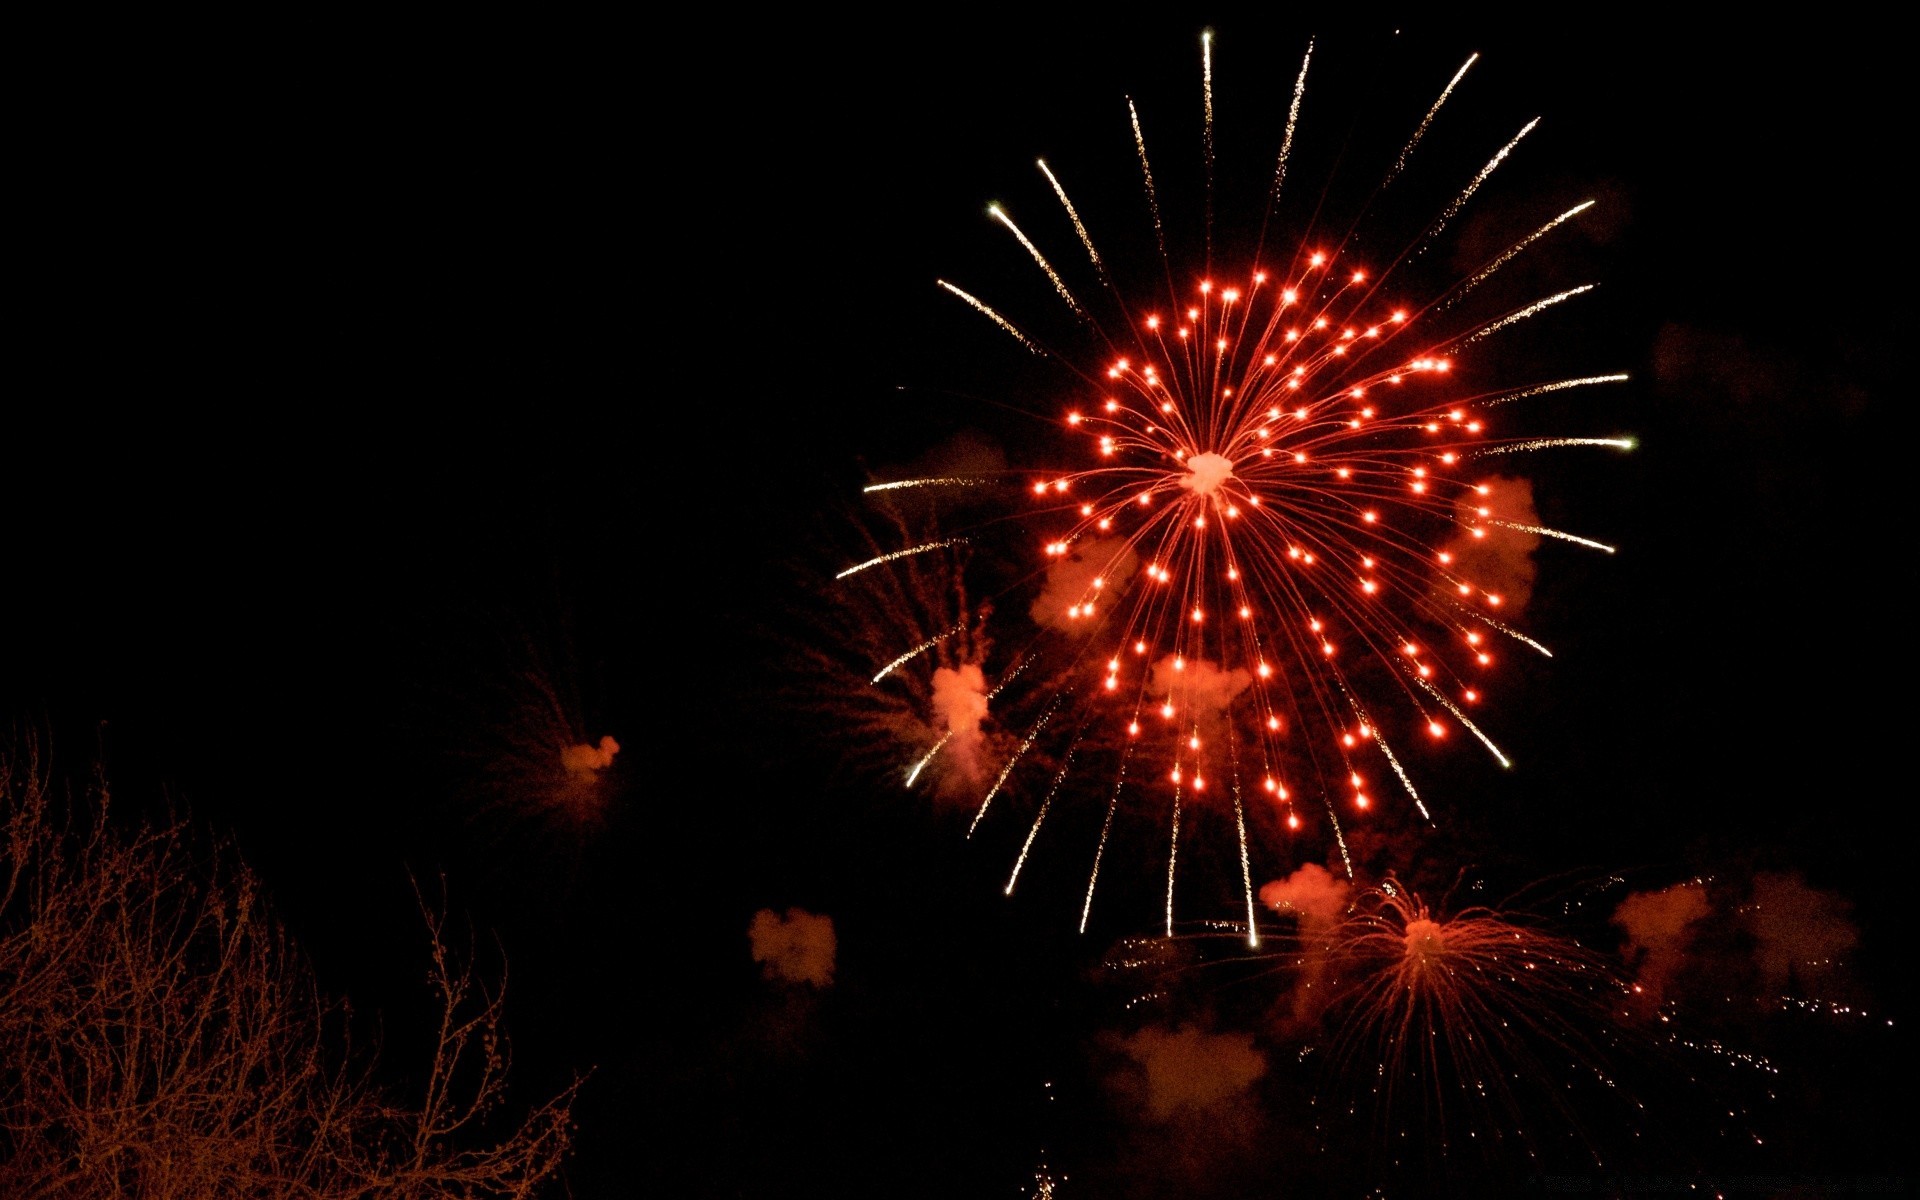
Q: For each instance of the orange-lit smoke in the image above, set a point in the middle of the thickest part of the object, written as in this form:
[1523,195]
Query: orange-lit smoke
[1189,1072]
[1501,560]
[1312,893]
[590,760]
[796,948]
[1659,932]
[1070,580]
[1800,933]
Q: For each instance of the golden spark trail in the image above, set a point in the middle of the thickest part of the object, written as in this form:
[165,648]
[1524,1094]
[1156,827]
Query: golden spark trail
[1246,864]
[1106,828]
[887,558]
[1038,817]
[1421,132]
[981,307]
[1512,250]
[1461,717]
[1173,856]
[1558,386]
[922,648]
[1551,443]
[1511,632]
[1206,136]
[1008,769]
[1000,214]
[1072,215]
[1380,740]
[1460,202]
[1519,315]
[922,764]
[1543,531]
[1146,171]
[954,481]
[1293,119]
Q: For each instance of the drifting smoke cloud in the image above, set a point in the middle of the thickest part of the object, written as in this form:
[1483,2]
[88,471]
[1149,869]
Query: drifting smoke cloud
[1501,562]
[1187,1101]
[1778,932]
[1320,900]
[1312,893]
[1800,933]
[960,700]
[1190,1072]
[1659,929]
[1070,579]
[590,760]
[796,948]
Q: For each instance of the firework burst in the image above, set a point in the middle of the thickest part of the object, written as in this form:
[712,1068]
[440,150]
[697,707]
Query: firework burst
[1274,569]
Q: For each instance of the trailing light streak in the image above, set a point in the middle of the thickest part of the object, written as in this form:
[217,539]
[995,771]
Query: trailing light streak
[1552,443]
[922,648]
[1293,119]
[1100,847]
[1038,817]
[1465,721]
[1460,202]
[1146,173]
[1558,385]
[952,481]
[1521,314]
[1487,271]
[856,568]
[1078,227]
[1401,163]
[1006,325]
[1059,285]
[1173,856]
[1011,762]
[928,757]
[1543,531]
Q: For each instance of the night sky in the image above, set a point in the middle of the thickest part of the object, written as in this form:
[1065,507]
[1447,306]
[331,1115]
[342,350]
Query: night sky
[378,382]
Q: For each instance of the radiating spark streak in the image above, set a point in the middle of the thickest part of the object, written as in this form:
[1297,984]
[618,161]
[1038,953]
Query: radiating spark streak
[1558,385]
[1511,632]
[951,481]
[1393,760]
[1100,849]
[1246,864]
[1074,216]
[1543,531]
[1520,315]
[980,306]
[1146,172]
[1206,88]
[1507,255]
[1401,164]
[1293,119]
[922,648]
[922,764]
[1011,762]
[1380,740]
[1340,838]
[1059,285]
[1460,201]
[1461,717]
[1038,817]
[1552,443]
[1173,857]
[887,558]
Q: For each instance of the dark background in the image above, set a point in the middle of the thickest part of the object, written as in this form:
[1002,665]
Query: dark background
[365,371]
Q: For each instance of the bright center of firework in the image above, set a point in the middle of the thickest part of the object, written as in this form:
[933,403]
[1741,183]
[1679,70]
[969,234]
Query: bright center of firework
[1426,941]
[1206,472]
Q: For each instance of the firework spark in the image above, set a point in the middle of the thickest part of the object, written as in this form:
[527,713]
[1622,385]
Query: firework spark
[1252,562]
